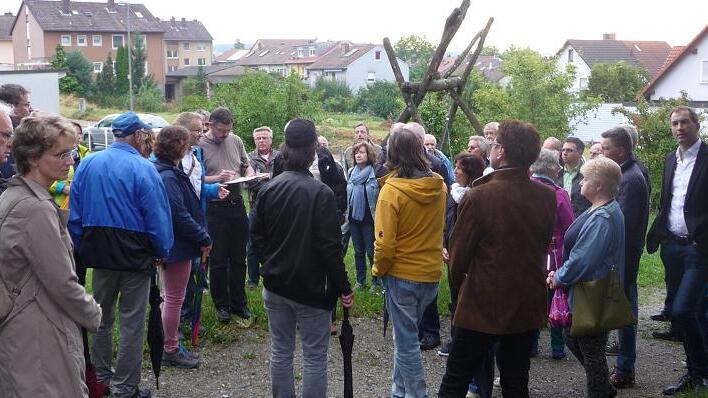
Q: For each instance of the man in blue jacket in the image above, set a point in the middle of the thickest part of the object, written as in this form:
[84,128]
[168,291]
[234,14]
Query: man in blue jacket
[121,225]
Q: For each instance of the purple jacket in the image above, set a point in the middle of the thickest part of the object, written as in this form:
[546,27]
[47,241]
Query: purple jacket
[564,217]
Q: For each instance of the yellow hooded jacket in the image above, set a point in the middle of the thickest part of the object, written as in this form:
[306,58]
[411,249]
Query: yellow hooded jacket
[409,221]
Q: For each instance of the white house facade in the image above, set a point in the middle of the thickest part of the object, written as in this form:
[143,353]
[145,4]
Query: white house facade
[568,55]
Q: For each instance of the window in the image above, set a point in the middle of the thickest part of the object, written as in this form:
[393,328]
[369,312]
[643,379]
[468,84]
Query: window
[172,54]
[371,77]
[97,67]
[117,41]
[138,14]
[171,68]
[185,45]
[704,71]
[312,52]
[97,40]
[186,61]
[300,53]
[66,40]
[583,83]
[377,55]
[201,47]
[570,55]
[81,40]
[351,52]
[263,53]
[201,61]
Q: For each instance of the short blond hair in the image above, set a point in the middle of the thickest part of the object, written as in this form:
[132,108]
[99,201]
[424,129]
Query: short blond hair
[37,134]
[605,172]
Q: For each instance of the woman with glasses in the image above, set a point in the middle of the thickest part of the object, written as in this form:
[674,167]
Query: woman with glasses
[60,189]
[46,355]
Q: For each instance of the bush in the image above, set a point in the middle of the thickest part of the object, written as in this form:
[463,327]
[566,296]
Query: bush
[191,103]
[339,104]
[381,99]
[148,99]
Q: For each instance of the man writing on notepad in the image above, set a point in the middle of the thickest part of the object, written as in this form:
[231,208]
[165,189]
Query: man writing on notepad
[225,158]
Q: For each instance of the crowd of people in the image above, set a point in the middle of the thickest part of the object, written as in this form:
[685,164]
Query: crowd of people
[512,221]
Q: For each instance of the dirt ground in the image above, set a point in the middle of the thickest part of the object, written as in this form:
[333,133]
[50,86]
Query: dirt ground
[241,369]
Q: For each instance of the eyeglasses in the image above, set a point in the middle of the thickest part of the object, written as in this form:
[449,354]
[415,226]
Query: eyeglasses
[64,156]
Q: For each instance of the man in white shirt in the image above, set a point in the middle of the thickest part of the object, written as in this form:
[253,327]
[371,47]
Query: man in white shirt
[681,228]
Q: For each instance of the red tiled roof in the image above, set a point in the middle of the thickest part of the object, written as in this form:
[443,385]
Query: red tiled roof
[675,57]
[650,54]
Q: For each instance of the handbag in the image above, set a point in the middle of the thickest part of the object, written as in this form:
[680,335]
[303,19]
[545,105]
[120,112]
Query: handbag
[600,306]
[559,314]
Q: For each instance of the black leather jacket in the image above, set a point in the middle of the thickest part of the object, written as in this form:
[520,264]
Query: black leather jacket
[296,232]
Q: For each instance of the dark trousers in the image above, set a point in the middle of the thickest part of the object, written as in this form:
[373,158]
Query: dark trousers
[228,228]
[471,349]
[254,263]
[590,352]
[688,311]
[430,322]
[673,271]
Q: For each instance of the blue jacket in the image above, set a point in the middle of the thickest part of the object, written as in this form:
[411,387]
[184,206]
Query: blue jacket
[119,212]
[450,178]
[188,221]
[371,187]
[599,245]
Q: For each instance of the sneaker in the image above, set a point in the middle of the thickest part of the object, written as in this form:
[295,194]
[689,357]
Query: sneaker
[429,342]
[622,380]
[687,383]
[661,317]
[223,315]
[190,354]
[444,351]
[669,335]
[180,359]
[612,348]
[558,354]
[142,393]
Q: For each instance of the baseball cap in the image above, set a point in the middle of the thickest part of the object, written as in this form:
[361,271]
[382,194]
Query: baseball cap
[128,123]
[300,133]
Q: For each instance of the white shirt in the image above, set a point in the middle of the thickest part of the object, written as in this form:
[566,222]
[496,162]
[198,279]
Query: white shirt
[685,160]
[190,162]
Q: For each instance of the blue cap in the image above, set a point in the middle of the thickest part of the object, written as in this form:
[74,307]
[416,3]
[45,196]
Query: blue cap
[128,123]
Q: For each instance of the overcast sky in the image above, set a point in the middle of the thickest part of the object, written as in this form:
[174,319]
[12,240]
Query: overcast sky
[542,25]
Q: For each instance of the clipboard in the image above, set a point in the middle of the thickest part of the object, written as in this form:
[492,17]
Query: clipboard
[240,180]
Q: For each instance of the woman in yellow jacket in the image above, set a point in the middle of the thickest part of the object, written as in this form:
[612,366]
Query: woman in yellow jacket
[409,220]
[60,189]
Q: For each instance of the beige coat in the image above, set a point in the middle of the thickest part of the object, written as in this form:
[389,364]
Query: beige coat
[41,352]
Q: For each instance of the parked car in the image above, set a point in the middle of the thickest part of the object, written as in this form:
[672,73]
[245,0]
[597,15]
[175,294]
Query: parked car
[100,135]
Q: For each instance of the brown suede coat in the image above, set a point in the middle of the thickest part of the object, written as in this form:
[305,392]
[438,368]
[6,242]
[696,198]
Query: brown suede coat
[498,251]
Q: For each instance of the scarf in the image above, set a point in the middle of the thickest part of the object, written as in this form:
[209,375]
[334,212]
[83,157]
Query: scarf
[357,185]
[458,192]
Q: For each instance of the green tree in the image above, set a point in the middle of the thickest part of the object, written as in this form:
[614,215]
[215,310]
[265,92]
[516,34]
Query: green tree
[138,62]
[106,81]
[335,95]
[196,85]
[538,93]
[417,52]
[653,123]
[616,82]
[380,98]
[238,45]
[490,50]
[121,71]
[82,71]
[68,83]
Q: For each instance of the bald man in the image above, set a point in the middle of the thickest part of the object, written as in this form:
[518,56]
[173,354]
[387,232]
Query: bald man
[6,132]
[431,144]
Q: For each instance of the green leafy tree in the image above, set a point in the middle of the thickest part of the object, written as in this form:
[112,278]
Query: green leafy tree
[148,99]
[106,80]
[335,95]
[68,83]
[653,123]
[380,98]
[138,62]
[82,71]
[538,93]
[121,71]
[417,52]
[490,50]
[616,82]
[238,45]
[196,85]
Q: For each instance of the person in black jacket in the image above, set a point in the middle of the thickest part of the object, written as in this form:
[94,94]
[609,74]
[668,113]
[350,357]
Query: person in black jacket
[633,198]
[296,233]
[191,239]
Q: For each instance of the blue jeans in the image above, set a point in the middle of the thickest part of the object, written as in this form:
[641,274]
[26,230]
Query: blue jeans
[406,301]
[688,312]
[284,315]
[627,337]
[363,239]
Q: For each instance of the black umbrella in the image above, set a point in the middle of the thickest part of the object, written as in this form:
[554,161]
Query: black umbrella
[346,340]
[155,335]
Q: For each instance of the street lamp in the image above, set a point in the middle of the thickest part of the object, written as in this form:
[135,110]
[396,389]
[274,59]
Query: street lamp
[130,54]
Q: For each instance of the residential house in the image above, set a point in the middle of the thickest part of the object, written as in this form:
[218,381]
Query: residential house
[489,66]
[284,56]
[686,70]
[217,73]
[187,43]
[584,54]
[95,29]
[355,64]
[6,52]
[231,55]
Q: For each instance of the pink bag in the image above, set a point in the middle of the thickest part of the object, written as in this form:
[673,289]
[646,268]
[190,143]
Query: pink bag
[559,315]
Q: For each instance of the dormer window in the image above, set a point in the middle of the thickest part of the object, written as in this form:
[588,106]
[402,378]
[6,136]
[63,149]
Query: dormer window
[300,53]
[570,55]
[351,52]
[263,53]
[111,11]
[312,51]
[138,14]
[74,12]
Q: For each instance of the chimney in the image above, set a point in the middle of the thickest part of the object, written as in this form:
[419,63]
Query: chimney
[184,21]
[608,36]
[174,23]
[66,6]
[90,18]
[345,47]
[111,5]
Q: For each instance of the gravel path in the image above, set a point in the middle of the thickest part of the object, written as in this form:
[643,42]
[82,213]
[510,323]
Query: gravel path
[241,369]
